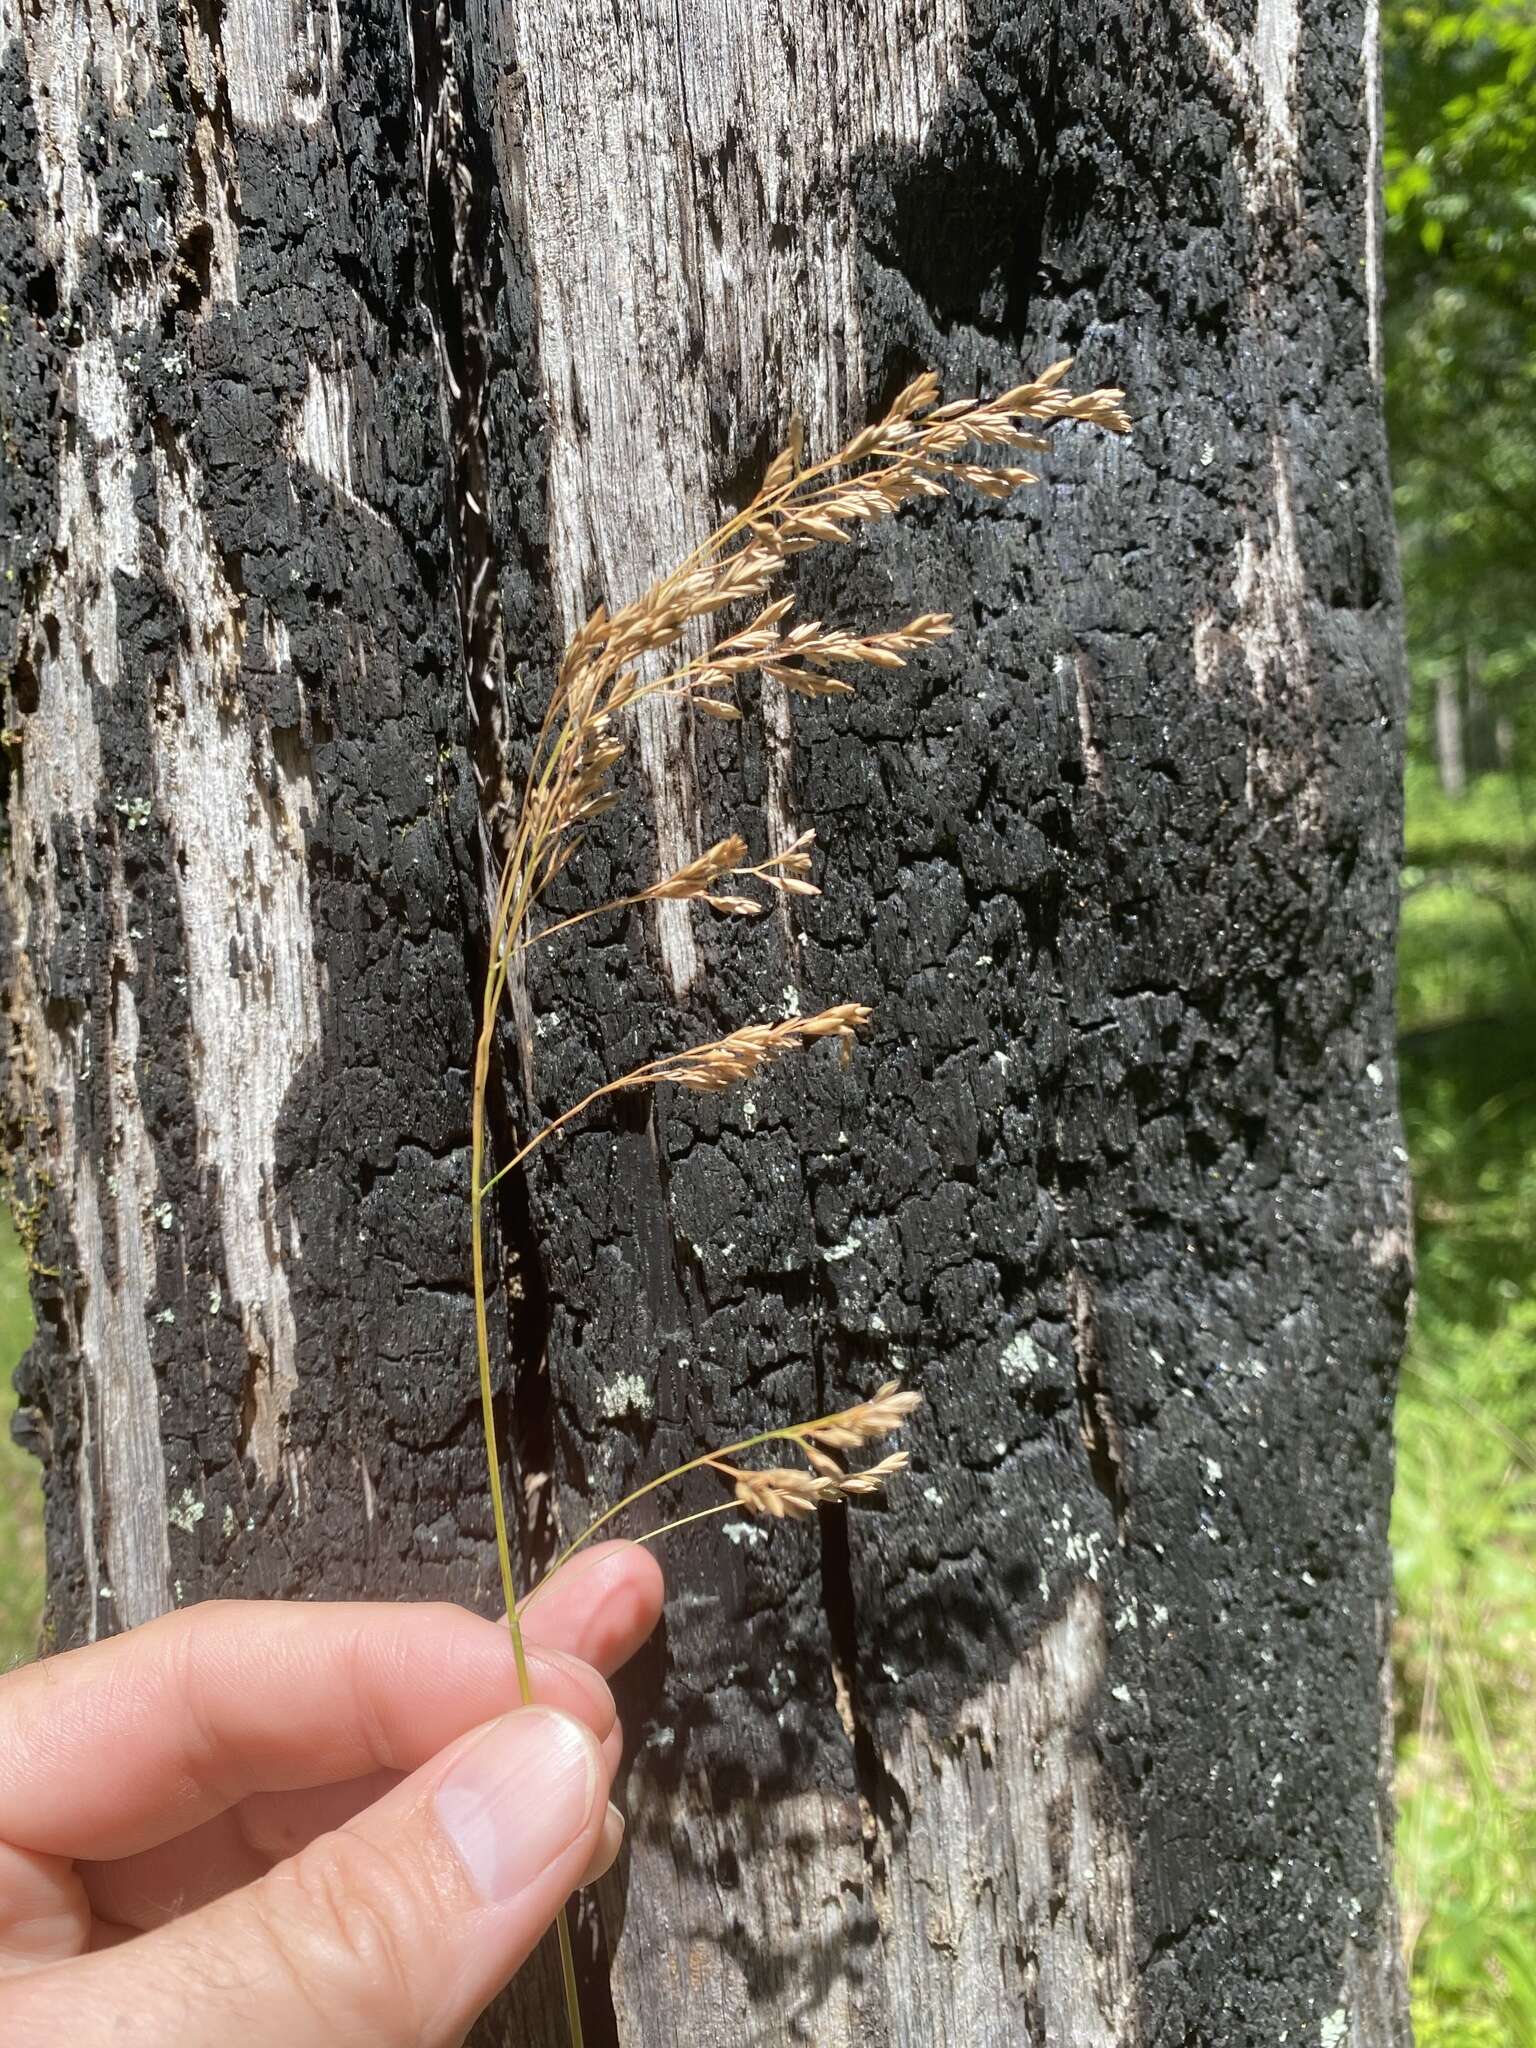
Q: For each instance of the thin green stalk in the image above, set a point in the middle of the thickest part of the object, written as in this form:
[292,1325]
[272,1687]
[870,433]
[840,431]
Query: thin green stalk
[568,1978]
[487,1398]
[638,1078]
[721,1507]
[495,982]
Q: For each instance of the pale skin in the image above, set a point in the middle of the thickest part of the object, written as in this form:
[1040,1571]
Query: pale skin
[305,1824]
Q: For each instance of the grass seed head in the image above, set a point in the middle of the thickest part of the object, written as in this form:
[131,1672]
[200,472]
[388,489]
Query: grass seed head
[784,1491]
[872,1479]
[920,448]
[695,877]
[868,1421]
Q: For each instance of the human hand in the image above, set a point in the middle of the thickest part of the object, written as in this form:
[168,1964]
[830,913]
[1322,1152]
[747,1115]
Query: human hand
[261,1822]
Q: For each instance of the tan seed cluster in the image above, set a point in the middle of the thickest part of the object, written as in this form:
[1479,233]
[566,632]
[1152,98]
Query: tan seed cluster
[868,1422]
[784,1491]
[695,879]
[785,872]
[802,658]
[920,449]
[737,1057]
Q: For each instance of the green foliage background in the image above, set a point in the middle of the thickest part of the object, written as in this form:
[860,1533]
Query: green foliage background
[1460,91]
[1460,185]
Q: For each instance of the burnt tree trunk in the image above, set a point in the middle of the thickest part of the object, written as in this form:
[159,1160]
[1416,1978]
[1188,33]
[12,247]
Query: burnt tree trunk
[351,352]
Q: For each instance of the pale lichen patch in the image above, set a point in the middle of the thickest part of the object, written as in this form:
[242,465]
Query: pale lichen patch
[625,1394]
[1022,1359]
[187,1511]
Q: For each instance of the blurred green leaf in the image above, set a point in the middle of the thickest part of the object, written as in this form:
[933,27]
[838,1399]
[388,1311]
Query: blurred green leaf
[1460,262]
[21,1519]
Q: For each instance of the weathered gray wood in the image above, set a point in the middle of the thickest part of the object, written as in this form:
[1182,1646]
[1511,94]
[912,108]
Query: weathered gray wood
[352,352]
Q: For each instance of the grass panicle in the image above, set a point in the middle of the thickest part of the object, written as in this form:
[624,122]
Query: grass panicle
[866,1422]
[920,450]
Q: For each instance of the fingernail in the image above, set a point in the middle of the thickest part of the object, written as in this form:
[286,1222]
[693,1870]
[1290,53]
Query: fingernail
[519,1797]
[609,1843]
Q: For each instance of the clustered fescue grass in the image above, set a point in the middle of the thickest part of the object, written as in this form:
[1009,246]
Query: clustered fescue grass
[921,449]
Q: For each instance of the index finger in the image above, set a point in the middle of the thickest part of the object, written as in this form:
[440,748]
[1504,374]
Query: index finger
[599,1606]
[111,1749]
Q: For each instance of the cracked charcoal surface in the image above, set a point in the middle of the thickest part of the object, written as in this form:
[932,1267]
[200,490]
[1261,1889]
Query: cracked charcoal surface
[1115,1177]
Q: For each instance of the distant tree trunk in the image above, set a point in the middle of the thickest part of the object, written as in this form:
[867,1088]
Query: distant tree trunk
[322,328]
[1450,741]
[1482,722]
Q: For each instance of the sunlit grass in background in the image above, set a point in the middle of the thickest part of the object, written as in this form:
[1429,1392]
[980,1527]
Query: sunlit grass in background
[1459,354]
[1468,944]
[21,1501]
[1464,1522]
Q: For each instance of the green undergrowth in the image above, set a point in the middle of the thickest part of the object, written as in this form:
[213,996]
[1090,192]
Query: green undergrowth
[1469,904]
[1464,1520]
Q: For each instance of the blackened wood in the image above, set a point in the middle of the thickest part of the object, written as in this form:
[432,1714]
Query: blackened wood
[349,359]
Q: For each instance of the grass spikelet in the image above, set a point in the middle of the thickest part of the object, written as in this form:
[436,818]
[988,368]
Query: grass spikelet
[868,1422]
[782,1490]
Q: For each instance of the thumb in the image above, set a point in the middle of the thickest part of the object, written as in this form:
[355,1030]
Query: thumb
[395,1929]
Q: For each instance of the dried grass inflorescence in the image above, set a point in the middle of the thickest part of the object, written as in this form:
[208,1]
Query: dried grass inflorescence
[785,1491]
[921,449]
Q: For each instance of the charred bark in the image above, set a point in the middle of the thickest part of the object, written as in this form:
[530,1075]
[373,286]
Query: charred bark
[351,355]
